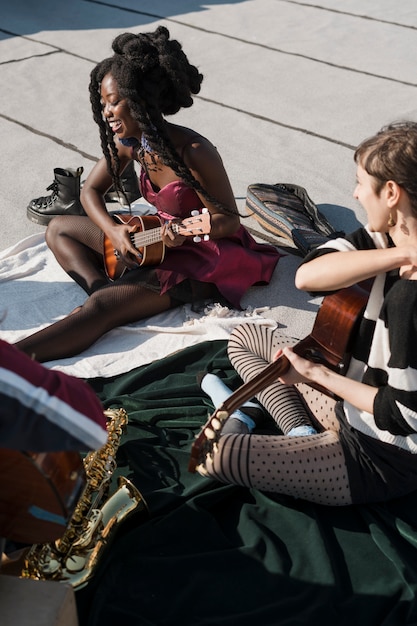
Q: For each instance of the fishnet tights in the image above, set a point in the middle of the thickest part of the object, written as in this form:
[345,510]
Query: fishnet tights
[77,244]
[312,467]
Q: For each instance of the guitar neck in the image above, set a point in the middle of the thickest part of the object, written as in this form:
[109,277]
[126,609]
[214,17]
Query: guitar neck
[249,389]
[329,343]
[146,237]
[210,434]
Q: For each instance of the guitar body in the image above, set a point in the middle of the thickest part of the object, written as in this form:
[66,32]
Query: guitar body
[147,239]
[328,343]
[38,493]
[151,254]
[334,328]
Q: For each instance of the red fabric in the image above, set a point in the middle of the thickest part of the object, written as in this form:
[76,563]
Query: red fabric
[233,263]
[46,410]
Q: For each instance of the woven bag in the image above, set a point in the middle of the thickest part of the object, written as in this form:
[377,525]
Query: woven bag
[287,211]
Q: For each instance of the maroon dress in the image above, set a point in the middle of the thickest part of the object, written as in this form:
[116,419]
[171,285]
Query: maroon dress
[232,263]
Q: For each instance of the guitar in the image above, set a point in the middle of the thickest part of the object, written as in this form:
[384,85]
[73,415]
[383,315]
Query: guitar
[148,239]
[38,493]
[328,343]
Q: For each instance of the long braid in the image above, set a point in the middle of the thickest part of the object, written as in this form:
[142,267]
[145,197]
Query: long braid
[156,79]
[107,142]
[161,143]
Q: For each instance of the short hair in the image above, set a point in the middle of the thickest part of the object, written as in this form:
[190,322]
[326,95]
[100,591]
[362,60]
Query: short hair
[391,154]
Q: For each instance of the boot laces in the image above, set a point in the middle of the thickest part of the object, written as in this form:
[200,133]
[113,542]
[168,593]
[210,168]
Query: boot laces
[54,188]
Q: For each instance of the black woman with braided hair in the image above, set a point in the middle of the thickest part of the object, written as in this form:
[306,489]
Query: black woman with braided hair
[147,78]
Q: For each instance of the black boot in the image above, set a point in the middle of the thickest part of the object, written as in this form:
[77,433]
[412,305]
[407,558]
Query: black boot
[130,186]
[64,199]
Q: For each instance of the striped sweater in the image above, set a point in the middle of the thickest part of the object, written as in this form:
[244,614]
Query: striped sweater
[43,410]
[384,352]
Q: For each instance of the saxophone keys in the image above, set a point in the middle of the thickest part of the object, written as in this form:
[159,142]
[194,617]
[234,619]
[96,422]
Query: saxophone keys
[75,563]
[91,529]
[50,567]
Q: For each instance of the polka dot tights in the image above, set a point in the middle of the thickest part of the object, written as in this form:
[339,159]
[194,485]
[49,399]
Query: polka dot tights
[310,467]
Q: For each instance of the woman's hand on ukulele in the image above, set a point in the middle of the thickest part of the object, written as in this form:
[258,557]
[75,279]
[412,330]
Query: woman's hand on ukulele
[169,237]
[126,251]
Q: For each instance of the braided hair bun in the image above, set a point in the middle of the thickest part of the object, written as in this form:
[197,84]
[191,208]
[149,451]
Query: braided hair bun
[155,77]
[156,68]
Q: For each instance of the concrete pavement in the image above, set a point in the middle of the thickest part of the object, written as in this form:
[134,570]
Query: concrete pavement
[290,89]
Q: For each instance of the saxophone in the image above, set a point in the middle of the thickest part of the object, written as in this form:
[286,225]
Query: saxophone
[73,557]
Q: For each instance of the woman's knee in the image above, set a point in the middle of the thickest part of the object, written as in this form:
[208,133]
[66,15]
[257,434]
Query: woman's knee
[256,339]
[71,227]
[240,337]
[53,231]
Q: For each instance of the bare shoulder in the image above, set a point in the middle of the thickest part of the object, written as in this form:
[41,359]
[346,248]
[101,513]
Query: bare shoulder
[195,149]
[204,162]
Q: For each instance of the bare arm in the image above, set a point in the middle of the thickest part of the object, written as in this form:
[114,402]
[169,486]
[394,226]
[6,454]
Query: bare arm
[207,167]
[337,270]
[358,394]
[92,198]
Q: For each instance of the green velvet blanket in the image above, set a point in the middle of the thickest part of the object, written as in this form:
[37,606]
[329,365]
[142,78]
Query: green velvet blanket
[213,554]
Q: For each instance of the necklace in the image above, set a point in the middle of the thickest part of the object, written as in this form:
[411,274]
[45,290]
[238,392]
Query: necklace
[144,144]
[132,142]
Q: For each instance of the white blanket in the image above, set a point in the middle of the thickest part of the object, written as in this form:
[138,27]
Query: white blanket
[35,292]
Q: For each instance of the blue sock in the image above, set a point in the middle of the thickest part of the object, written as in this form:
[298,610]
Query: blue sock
[214,387]
[302,431]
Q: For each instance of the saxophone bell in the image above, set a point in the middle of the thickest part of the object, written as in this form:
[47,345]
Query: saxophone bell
[74,557]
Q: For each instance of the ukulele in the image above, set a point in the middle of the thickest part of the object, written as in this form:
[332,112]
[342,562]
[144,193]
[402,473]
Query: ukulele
[38,493]
[147,239]
[328,343]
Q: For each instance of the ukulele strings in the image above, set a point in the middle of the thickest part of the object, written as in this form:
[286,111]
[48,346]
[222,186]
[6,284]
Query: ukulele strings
[153,235]
[146,237]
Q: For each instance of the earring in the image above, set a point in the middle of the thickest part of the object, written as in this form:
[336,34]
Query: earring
[391,221]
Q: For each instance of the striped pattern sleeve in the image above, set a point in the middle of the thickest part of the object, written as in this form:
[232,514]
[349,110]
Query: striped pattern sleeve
[395,407]
[360,239]
[385,357]
[43,410]
[383,353]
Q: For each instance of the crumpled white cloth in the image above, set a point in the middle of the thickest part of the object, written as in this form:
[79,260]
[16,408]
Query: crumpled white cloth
[35,291]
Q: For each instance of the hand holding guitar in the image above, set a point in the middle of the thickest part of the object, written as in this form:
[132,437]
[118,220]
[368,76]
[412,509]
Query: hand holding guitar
[170,237]
[300,370]
[120,240]
[148,238]
[317,374]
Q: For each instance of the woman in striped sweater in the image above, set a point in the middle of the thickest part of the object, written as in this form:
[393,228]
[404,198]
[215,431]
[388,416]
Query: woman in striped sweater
[362,448]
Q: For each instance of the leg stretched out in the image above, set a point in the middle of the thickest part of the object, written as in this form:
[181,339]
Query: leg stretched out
[77,244]
[107,308]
